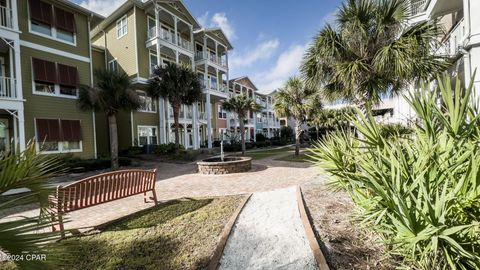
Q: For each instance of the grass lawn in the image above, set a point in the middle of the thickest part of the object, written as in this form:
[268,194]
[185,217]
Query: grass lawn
[293,158]
[181,234]
[267,152]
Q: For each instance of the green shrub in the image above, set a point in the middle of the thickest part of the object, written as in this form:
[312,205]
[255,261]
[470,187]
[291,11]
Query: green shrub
[420,193]
[166,149]
[259,137]
[287,134]
[134,150]
[74,164]
[232,147]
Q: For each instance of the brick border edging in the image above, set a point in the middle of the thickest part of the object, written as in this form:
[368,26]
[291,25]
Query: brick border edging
[315,247]
[227,230]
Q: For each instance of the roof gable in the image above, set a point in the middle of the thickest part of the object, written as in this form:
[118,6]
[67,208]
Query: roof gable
[245,80]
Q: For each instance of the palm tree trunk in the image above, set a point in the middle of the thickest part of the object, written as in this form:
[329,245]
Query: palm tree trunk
[316,126]
[112,125]
[242,134]
[176,112]
[298,133]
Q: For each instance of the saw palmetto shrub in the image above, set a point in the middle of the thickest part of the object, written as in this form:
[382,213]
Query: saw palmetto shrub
[420,193]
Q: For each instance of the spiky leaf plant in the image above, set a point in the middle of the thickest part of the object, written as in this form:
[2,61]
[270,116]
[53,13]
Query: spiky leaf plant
[27,235]
[421,193]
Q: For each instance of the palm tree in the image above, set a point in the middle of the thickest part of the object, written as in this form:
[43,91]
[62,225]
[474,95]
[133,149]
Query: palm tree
[180,85]
[112,93]
[29,235]
[370,53]
[241,105]
[297,101]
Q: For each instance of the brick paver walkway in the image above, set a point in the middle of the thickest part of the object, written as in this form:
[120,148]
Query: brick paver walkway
[180,180]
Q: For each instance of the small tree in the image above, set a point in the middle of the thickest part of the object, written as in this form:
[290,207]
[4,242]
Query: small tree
[295,100]
[180,85]
[241,105]
[112,93]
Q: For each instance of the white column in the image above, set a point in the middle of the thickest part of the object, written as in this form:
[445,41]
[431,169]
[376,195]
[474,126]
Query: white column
[161,101]
[15,133]
[185,133]
[196,138]
[14,14]
[21,129]
[175,21]
[218,80]
[18,70]
[192,42]
[208,106]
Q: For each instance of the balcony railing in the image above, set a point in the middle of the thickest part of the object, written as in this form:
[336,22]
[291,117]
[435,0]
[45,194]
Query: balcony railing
[417,6]
[218,60]
[452,42]
[6,17]
[8,87]
[170,37]
[213,86]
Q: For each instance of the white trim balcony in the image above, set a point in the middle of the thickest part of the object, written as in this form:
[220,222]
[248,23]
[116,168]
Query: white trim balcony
[453,41]
[169,39]
[8,88]
[6,17]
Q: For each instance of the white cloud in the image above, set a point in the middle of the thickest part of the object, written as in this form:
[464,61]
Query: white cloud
[287,65]
[220,20]
[263,50]
[101,6]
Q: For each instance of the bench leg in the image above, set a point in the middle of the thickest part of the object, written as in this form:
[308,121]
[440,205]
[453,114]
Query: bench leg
[154,196]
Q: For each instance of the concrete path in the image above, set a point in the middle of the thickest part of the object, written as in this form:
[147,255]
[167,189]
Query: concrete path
[179,181]
[269,234]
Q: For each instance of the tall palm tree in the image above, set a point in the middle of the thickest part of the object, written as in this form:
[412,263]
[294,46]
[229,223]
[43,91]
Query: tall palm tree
[241,105]
[371,52]
[180,85]
[29,235]
[297,101]
[111,93]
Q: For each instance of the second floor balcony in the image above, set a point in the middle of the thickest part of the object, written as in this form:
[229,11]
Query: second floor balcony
[170,38]
[8,88]
[212,58]
[6,17]
[452,43]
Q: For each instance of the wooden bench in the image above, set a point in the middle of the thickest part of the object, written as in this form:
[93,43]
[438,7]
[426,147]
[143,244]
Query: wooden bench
[102,188]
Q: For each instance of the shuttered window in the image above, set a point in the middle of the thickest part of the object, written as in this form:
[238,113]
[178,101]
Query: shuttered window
[67,75]
[41,12]
[64,20]
[44,71]
[48,130]
[71,130]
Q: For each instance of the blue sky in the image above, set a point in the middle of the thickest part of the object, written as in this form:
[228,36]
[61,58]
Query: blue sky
[269,37]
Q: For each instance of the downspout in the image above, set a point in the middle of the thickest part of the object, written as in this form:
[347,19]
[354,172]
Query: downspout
[91,85]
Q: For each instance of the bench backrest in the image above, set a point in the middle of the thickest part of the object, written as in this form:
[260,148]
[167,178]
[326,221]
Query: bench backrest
[103,188]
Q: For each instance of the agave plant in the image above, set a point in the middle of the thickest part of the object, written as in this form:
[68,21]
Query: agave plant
[421,193]
[27,235]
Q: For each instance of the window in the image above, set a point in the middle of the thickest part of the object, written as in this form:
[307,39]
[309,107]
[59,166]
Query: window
[113,65]
[58,135]
[54,78]
[122,27]
[213,82]
[221,113]
[147,135]
[148,104]
[66,36]
[52,22]
[41,28]
[153,62]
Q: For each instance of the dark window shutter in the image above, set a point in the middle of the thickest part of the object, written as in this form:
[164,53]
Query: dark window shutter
[71,130]
[44,71]
[41,12]
[48,130]
[68,75]
[65,20]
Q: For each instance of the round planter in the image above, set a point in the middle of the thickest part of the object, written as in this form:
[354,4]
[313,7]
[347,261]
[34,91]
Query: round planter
[229,165]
